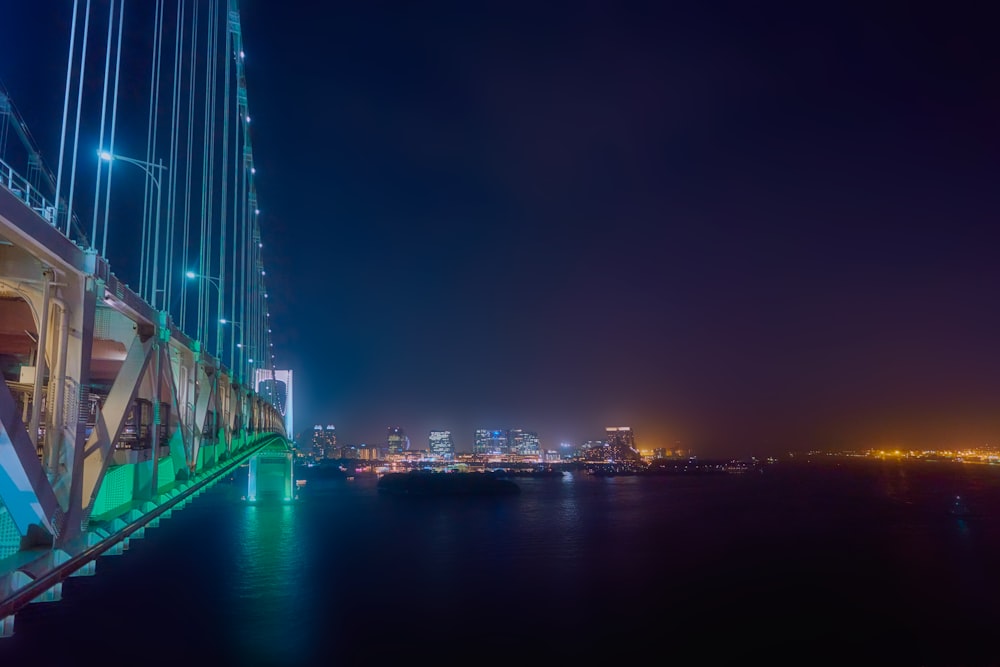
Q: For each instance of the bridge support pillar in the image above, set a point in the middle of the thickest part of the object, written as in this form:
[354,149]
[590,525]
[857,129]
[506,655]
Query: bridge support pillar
[6,626]
[272,474]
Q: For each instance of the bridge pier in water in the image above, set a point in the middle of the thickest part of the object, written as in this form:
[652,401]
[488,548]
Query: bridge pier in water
[272,474]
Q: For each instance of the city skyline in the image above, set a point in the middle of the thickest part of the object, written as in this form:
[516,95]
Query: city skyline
[453,436]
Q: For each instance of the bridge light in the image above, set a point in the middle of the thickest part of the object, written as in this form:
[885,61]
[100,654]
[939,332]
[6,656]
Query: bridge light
[191,274]
[105,155]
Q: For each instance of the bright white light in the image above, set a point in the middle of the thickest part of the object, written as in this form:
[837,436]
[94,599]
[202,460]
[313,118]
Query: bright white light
[243,54]
[105,155]
[257,211]
[260,245]
[191,274]
[253,170]
[248,119]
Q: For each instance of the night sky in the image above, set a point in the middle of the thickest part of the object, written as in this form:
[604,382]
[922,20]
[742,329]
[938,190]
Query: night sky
[739,228]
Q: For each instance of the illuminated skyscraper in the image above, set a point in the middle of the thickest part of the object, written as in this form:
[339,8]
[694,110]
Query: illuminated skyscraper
[324,442]
[490,442]
[396,441]
[441,444]
[620,443]
[523,443]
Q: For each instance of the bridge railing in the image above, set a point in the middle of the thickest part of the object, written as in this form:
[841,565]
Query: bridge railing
[23,190]
[30,195]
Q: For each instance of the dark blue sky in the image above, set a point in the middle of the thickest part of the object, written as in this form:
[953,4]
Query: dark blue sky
[738,227]
[743,228]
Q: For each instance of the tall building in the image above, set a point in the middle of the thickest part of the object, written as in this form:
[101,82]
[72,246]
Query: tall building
[441,444]
[396,441]
[523,443]
[620,443]
[490,442]
[276,388]
[324,442]
[368,452]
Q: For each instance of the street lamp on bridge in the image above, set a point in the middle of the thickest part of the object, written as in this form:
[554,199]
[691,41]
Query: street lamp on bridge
[151,170]
[217,283]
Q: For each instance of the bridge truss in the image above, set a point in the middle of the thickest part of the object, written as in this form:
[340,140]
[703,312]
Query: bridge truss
[118,403]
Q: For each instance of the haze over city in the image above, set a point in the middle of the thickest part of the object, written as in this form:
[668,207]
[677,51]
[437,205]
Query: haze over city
[746,229]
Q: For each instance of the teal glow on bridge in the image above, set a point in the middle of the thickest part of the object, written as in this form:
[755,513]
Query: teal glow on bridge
[127,396]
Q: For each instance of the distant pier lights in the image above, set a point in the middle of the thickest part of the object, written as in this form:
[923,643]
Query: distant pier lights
[276,387]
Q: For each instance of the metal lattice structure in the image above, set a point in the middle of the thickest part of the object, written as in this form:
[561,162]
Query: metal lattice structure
[118,404]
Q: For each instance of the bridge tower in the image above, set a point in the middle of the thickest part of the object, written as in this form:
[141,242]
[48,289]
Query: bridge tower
[277,384]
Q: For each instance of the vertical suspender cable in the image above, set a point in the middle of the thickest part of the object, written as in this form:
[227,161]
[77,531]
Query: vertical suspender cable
[211,184]
[104,107]
[222,196]
[145,260]
[114,120]
[243,263]
[190,155]
[161,7]
[237,158]
[172,162]
[203,269]
[62,138]
[79,104]
[205,261]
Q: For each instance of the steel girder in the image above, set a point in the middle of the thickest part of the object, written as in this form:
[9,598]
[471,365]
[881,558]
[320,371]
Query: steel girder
[102,348]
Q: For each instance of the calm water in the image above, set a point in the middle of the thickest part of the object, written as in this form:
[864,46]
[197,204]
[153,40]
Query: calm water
[823,563]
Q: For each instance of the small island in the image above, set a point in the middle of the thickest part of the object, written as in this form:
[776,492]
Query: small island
[433,484]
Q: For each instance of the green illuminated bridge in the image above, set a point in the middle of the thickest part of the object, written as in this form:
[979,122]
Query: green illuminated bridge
[125,398]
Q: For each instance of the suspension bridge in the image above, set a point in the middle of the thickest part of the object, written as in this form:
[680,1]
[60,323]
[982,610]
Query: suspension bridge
[135,337]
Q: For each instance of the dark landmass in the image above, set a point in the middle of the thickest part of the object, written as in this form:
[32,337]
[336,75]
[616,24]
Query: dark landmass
[534,472]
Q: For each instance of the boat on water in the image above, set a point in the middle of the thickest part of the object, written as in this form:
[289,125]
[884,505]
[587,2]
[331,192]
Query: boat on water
[959,507]
[434,484]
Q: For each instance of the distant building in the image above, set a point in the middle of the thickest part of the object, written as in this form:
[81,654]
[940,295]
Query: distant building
[324,443]
[396,441]
[490,442]
[621,443]
[441,444]
[368,452]
[523,443]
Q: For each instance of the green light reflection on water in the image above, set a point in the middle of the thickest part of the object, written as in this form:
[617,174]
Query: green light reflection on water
[272,601]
